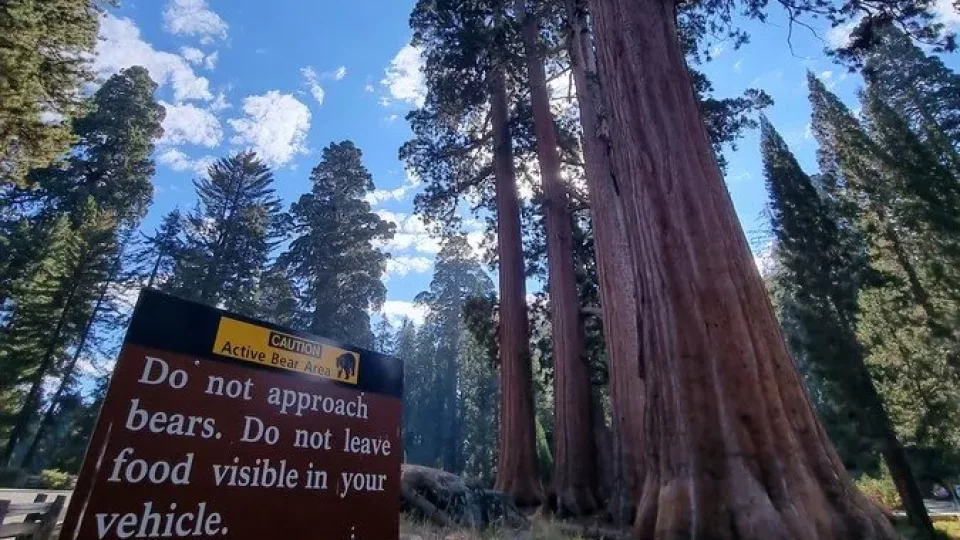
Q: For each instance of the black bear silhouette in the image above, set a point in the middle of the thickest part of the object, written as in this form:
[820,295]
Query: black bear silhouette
[346,366]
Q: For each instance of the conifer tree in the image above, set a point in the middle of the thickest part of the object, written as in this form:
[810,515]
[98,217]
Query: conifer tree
[919,87]
[333,259]
[111,162]
[160,252]
[40,339]
[816,274]
[457,277]
[45,49]
[574,478]
[907,307]
[99,194]
[229,236]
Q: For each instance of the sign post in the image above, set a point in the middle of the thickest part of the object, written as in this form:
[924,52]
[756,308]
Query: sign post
[217,425]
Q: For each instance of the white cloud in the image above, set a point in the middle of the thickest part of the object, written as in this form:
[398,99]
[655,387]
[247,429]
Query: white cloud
[188,124]
[738,66]
[340,73]
[275,126]
[397,194]
[403,265]
[839,36]
[220,103]
[827,78]
[192,55]
[120,46]
[178,161]
[369,88]
[411,234]
[717,50]
[404,78]
[396,310]
[947,13]
[476,239]
[194,18]
[312,81]
[210,61]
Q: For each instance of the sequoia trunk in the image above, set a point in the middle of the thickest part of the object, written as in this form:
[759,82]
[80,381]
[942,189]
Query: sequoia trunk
[517,472]
[574,471]
[733,447]
[615,275]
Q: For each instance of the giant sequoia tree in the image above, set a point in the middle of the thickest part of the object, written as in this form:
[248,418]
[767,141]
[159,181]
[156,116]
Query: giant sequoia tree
[734,448]
[464,150]
[574,478]
[439,397]
[332,259]
[616,284]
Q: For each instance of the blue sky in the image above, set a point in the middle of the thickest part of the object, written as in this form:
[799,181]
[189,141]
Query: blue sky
[287,78]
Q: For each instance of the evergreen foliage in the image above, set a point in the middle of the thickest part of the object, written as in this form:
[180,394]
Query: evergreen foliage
[45,48]
[333,260]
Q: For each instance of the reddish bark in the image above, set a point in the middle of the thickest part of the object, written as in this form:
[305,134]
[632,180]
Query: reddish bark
[734,449]
[574,472]
[617,289]
[517,471]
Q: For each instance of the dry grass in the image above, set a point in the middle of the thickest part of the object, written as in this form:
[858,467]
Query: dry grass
[541,529]
[949,528]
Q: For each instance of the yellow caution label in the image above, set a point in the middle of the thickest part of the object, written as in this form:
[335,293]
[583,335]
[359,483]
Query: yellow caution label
[259,345]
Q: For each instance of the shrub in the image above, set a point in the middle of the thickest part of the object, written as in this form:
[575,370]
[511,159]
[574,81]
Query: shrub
[54,479]
[881,490]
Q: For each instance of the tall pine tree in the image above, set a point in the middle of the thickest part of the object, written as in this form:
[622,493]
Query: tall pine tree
[229,236]
[907,306]
[920,87]
[100,193]
[333,259]
[816,274]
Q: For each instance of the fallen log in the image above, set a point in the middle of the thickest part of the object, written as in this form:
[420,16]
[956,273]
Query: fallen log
[448,500]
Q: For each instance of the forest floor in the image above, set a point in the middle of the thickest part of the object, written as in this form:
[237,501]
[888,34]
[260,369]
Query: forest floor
[540,529]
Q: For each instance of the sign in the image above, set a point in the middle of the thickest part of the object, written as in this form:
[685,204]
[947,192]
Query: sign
[217,425]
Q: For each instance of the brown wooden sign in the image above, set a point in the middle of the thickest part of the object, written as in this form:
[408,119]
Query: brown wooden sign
[217,425]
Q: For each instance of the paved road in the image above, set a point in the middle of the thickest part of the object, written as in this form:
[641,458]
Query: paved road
[941,507]
[17,496]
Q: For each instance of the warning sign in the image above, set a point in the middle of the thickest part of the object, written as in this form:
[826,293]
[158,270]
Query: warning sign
[254,343]
[217,425]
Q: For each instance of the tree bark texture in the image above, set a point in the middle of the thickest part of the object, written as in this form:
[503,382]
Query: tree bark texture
[617,289]
[574,471]
[517,471]
[734,449]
